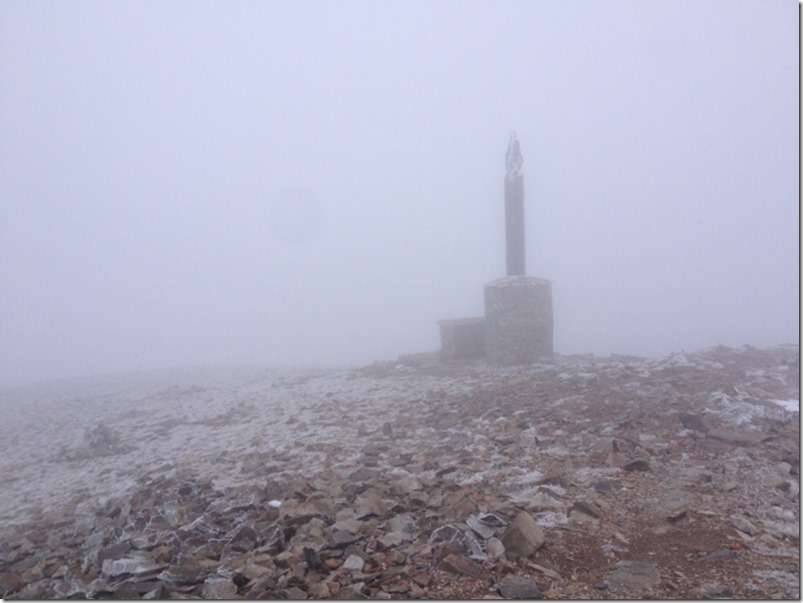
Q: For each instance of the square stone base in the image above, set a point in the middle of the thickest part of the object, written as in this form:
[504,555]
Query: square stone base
[518,320]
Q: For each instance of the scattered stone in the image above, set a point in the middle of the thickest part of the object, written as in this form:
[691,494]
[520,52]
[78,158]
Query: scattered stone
[115,568]
[373,516]
[342,538]
[606,485]
[353,563]
[694,422]
[494,548]
[737,437]
[713,446]
[114,551]
[603,447]
[353,591]
[676,504]
[481,528]
[587,508]
[550,573]
[784,469]
[295,593]
[519,587]
[714,589]
[637,465]
[720,555]
[743,524]
[458,564]
[637,575]
[403,525]
[182,575]
[776,482]
[219,588]
[523,537]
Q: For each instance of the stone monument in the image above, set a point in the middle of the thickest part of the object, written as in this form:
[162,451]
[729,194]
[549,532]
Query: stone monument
[518,308]
[517,325]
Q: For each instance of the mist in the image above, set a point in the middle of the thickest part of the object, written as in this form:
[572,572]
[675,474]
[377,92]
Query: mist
[289,183]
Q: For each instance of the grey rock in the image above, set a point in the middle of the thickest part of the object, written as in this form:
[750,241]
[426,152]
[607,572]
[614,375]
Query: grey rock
[404,525]
[638,575]
[783,468]
[494,548]
[114,568]
[114,551]
[481,528]
[295,593]
[473,545]
[523,537]
[391,540]
[776,481]
[243,538]
[587,508]
[148,588]
[603,446]
[218,588]
[519,587]
[353,591]
[606,485]
[342,538]
[713,446]
[737,436]
[637,465]
[744,524]
[458,564]
[447,533]
[353,563]
[720,555]
[182,575]
[676,504]
[408,484]
[694,422]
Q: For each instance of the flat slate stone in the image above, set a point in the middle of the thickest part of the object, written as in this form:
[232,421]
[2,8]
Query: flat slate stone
[737,436]
[519,587]
[457,564]
[721,555]
[693,422]
[353,563]
[114,551]
[638,575]
[219,588]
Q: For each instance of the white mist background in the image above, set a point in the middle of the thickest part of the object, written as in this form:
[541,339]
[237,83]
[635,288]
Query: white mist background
[319,183]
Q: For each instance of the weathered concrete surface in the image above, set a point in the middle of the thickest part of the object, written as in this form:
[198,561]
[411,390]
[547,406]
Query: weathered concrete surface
[462,338]
[518,320]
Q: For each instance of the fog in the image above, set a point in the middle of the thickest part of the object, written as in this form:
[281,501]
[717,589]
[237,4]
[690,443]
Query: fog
[319,182]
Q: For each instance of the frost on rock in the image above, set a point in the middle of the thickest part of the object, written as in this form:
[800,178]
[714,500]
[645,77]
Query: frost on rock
[266,483]
[788,405]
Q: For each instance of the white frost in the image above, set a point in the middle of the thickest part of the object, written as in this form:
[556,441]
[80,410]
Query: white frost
[790,405]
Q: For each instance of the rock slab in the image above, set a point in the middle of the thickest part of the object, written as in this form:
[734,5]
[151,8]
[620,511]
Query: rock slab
[519,587]
[523,538]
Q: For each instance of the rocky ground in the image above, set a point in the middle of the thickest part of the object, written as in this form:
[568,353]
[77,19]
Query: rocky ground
[589,477]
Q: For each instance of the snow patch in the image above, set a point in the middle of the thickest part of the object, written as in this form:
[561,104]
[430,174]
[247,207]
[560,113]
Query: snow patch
[789,405]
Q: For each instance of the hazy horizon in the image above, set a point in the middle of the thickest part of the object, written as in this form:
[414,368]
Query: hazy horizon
[285,183]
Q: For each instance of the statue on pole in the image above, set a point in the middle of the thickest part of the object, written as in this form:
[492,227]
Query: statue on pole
[514,208]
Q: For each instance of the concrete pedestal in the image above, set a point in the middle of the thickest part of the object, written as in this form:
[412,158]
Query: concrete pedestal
[518,320]
[462,338]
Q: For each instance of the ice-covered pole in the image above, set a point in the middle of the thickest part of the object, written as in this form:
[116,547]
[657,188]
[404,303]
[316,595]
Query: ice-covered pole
[514,208]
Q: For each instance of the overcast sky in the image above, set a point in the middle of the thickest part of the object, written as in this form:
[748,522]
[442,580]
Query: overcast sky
[320,182]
